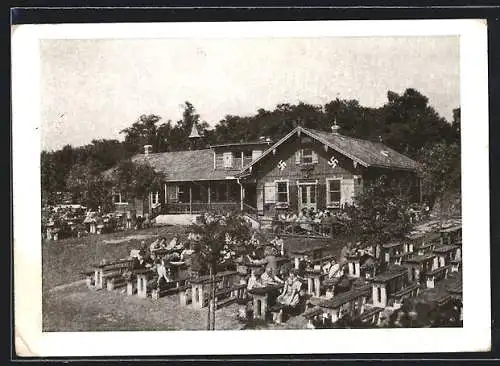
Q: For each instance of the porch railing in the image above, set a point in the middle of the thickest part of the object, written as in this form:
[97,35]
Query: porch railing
[200,207]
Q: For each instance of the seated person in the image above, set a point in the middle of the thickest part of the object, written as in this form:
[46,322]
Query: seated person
[326,267]
[173,243]
[142,261]
[335,270]
[164,273]
[159,243]
[279,244]
[269,278]
[269,258]
[290,295]
[186,252]
[255,280]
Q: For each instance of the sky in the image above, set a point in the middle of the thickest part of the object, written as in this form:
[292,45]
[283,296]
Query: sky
[92,89]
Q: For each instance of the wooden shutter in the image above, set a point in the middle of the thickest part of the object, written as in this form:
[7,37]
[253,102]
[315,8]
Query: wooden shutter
[321,195]
[346,191]
[297,157]
[270,192]
[256,154]
[358,185]
[260,198]
[228,160]
[314,157]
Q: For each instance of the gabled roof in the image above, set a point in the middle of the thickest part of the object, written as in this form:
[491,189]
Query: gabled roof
[367,153]
[187,165]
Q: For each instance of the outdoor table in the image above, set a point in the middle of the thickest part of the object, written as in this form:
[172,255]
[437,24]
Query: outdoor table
[261,298]
[314,282]
[142,281]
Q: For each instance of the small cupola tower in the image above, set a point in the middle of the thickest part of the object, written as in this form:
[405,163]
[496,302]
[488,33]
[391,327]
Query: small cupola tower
[194,138]
[335,127]
[194,133]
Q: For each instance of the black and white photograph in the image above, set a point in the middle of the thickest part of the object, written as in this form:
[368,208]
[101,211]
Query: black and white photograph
[194,183]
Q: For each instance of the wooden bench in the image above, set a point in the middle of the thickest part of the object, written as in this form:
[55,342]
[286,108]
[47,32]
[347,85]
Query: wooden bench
[322,260]
[278,311]
[104,272]
[172,287]
[311,315]
[371,315]
[226,296]
[409,291]
[200,286]
[436,275]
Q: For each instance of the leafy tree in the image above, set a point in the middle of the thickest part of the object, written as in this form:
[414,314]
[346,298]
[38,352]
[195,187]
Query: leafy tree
[88,186]
[138,180]
[409,123]
[441,171]
[142,132]
[380,213]
[222,239]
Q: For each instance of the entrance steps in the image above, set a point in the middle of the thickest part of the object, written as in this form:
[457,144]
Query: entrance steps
[175,219]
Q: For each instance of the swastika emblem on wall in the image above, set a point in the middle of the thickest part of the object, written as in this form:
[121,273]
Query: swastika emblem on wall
[333,162]
[281,165]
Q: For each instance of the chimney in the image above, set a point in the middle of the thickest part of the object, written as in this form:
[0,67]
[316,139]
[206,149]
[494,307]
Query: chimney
[335,127]
[147,149]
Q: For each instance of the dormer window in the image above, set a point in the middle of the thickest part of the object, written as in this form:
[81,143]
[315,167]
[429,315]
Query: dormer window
[306,156]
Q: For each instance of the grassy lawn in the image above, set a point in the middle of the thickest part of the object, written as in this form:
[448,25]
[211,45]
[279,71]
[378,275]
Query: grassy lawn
[76,308]
[63,260]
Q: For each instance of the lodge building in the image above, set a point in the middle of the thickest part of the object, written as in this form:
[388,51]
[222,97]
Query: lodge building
[304,169]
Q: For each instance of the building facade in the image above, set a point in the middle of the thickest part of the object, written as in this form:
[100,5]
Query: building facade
[304,169]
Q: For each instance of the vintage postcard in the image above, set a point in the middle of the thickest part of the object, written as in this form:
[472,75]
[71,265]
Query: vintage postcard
[251,188]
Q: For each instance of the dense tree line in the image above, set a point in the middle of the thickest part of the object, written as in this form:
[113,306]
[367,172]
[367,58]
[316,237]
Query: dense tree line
[406,122]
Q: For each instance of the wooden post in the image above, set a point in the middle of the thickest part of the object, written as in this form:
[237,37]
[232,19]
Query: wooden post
[242,196]
[209,189]
[190,198]
[213,300]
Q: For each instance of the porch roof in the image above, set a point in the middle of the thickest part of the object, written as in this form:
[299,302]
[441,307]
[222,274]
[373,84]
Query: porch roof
[183,166]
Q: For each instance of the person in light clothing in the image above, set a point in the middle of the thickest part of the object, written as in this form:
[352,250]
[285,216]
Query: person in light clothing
[291,292]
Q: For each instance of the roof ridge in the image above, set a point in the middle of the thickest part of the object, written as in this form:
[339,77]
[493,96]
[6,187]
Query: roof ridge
[169,152]
[350,137]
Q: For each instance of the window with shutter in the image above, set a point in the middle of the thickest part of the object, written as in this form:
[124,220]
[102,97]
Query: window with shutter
[347,191]
[228,159]
[307,156]
[269,193]
[314,157]
[297,157]
[256,154]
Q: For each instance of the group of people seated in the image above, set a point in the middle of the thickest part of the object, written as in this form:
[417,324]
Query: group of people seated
[320,221]
[160,257]
[292,285]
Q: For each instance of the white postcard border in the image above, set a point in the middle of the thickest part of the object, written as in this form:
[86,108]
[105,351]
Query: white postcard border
[474,336]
